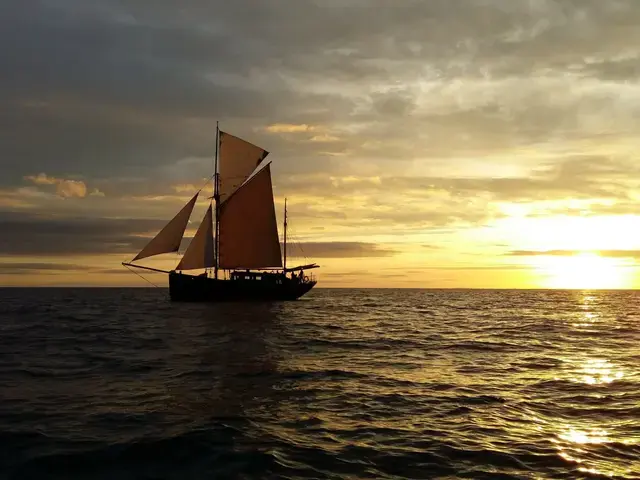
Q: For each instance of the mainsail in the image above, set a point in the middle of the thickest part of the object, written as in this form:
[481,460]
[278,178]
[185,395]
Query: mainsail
[248,235]
[168,239]
[200,253]
[238,159]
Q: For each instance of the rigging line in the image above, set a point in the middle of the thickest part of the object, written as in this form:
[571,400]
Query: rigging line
[296,239]
[146,280]
[304,254]
[298,244]
[206,183]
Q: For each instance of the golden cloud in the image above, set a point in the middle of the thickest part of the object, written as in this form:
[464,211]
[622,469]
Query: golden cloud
[289,128]
[64,188]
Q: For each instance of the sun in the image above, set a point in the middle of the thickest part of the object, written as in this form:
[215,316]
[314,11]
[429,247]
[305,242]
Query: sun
[583,271]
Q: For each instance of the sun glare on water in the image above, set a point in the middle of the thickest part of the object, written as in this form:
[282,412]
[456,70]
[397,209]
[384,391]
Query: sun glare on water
[583,271]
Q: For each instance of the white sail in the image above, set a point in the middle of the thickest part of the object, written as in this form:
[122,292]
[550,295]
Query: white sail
[248,228]
[168,239]
[238,159]
[200,253]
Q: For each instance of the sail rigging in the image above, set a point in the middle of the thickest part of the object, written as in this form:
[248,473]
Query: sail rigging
[243,234]
[200,252]
[169,238]
[248,228]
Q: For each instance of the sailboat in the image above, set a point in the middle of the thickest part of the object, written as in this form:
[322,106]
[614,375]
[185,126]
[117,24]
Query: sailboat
[237,243]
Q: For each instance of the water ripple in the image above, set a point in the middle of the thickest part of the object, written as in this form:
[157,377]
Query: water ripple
[117,383]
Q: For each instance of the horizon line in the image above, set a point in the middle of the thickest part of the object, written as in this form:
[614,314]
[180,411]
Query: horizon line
[85,287]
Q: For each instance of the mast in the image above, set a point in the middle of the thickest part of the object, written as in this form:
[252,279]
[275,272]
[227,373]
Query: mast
[285,234]
[216,197]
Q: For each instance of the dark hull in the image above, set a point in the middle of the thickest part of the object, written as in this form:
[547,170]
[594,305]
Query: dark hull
[192,288]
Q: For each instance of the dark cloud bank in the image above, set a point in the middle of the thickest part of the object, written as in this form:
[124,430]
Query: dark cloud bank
[111,88]
[30,235]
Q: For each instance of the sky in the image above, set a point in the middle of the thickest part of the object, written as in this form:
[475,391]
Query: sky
[427,144]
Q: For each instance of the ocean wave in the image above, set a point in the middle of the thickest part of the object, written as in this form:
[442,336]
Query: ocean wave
[118,383]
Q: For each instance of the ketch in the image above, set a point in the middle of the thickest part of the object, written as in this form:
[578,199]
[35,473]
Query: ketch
[237,242]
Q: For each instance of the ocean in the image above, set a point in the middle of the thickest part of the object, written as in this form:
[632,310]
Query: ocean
[341,384]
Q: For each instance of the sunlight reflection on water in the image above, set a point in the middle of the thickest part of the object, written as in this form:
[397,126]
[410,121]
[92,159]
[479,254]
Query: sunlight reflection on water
[594,435]
[589,362]
[599,371]
[356,384]
[575,445]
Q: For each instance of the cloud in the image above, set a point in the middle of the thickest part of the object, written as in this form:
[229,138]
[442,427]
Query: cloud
[382,117]
[324,138]
[634,254]
[339,250]
[28,234]
[363,205]
[21,268]
[64,188]
[71,188]
[47,268]
[583,184]
[353,273]
[288,128]
[578,176]
[185,188]
[42,179]
[391,81]
[34,235]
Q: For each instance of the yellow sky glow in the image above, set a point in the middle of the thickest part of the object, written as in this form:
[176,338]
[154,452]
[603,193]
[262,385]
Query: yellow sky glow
[493,146]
